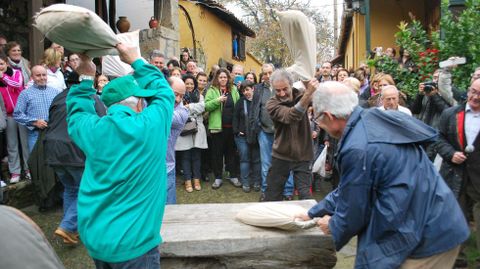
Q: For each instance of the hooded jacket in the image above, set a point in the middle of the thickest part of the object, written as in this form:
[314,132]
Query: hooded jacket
[390,194]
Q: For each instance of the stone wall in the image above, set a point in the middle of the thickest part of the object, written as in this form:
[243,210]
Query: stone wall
[164,39]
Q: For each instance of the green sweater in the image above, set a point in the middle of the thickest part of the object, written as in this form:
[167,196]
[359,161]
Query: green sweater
[215,107]
[123,189]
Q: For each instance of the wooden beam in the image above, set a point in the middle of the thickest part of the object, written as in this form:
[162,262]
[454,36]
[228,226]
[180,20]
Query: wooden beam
[101,9]
[112,14]
[36,37]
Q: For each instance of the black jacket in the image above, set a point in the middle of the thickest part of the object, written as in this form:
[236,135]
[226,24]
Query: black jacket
[59,148]
[429,108]
[448,144]
[240,119]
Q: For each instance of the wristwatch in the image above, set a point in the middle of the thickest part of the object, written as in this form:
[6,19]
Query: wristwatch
[82,77]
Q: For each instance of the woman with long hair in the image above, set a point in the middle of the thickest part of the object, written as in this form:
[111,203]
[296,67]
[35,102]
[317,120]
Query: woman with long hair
[250,76]
[11,85]
[17,62]
[190,146]
[220,102]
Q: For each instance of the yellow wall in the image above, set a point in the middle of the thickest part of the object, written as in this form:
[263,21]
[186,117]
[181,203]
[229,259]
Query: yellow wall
[385,17]
[212,34]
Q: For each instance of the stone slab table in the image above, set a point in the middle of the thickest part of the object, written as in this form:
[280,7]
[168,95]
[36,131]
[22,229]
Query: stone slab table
[209,236]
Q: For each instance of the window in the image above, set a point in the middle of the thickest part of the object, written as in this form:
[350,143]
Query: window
[238,46]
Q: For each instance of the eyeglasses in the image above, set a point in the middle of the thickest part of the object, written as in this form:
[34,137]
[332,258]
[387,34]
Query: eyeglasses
[318,118]
[474,92]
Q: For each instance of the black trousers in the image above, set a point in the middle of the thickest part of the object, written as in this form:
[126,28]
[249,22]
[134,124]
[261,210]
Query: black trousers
[223,147]
[278,175]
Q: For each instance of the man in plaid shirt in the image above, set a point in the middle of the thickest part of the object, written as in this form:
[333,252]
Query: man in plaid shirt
[33,104]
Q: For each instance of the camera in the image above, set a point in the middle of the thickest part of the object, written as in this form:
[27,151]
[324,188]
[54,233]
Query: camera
[429,86]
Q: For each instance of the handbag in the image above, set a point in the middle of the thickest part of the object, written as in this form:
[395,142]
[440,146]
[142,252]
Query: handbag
[191,127]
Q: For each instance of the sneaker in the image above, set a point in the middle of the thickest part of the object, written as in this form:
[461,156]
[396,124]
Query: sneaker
[217,183]
[246,188]
[15,178]
[256,187]
[28,176]
[2,184]
[235,182]
[262,197]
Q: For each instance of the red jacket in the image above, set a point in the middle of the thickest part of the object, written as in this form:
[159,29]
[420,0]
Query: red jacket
[11,85]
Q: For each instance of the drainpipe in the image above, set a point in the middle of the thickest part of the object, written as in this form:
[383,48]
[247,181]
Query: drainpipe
[367,27]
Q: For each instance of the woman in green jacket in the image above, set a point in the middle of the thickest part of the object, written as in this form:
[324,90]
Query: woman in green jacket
[220,102]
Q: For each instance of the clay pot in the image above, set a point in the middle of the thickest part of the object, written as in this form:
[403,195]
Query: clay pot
[123,24]
[153,23]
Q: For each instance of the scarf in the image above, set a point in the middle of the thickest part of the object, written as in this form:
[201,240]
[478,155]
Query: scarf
[191,97]
[23,67]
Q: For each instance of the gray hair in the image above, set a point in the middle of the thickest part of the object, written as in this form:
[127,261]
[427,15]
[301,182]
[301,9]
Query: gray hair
[131,102]
[336,98]
[237,66]
[389,87]
[281,75]
[156,53]
[268,65]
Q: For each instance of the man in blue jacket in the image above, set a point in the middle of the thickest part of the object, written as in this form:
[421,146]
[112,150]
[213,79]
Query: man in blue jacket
[389,194]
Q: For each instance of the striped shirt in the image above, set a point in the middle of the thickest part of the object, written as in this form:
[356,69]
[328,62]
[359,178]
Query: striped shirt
[33,104]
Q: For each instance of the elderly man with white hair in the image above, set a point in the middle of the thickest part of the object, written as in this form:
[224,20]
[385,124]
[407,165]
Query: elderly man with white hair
[390,97]
[390,194]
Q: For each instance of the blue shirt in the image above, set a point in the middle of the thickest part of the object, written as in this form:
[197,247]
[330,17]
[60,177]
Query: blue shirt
[33,104]
[180,116]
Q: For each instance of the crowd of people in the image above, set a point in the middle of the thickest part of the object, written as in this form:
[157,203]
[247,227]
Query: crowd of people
[260,133]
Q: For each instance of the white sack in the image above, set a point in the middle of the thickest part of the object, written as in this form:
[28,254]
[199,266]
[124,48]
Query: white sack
[300,36]
[77,29]
[112,65]
[275,215]
[319,165]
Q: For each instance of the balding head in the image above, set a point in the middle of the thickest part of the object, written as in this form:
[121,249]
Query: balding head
[178,87]
[390,97]
[39,75]
[473,96]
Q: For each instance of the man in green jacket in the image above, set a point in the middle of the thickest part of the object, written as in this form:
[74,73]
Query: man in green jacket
[122,193]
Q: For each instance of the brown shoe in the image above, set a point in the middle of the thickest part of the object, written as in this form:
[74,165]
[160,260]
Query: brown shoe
[68,238]
[196,184]
[188,186]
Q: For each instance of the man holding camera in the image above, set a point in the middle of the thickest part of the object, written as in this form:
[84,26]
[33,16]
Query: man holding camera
[429,103]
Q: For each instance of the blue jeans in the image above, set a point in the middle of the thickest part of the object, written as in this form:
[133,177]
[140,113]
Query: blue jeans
[265,141]
[70,177]
[171,188]
[249,161]
[149,260]
[32,139]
